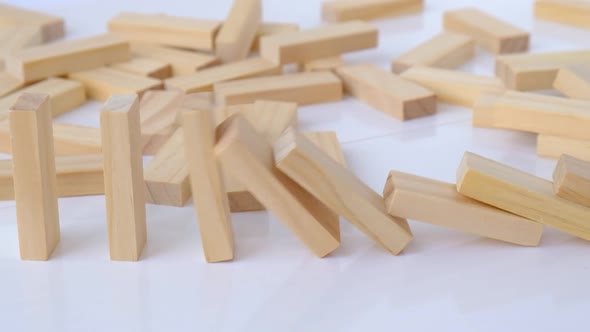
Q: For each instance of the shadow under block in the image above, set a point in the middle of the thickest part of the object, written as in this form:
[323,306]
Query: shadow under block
[183,32]
[326,64]
[209,194]
[300,88]
[387,92]
[249,158]
[148,67]
[573,12]
[158,118]
[489,32]
[571,180]
[237,33]
[445,50]
[123,177]
[340,190]
[55,59]
[35,188]
[182,62]
[574,81]
[454,87]
[9,83]
[554,146]
[51,27]
[520,193]
[435,202]
[271,28]
[318,43]
[366,10]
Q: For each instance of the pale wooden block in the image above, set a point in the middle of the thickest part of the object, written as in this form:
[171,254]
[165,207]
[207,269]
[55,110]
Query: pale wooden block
[328,142]
[183,62]
[454,87]
[183,32]
[445,50]
[123,177]
[9,83]
[209,195]
[574,81]
[326,64]
[51,27]
[366,10]
[271,28]
[387,92]
[554,146]
[198,101]
[17,37]
[572,12]
[146,67]
[236,35]
[435,202]
[318,43]
[571,179]
[300,88]
[35,188]
[158,118]
[520,193]
[101,83]
[249,158]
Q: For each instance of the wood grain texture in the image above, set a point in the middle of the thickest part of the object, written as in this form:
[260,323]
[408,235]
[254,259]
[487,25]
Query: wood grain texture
[51,27]
[271,28]
[237,33]
[158,118]
[571,179]
[328,142]
[554,146]
[101,83]
[572,12]
[574,81]
[182,62]
[366,10]
[144,66]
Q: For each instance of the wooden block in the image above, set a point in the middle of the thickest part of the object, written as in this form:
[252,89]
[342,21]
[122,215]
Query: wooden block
[573,12]
[366,10]
[182,62]
[454,87]
[158,118]
[435,202]
[300,88]
[571,180]
[387,92]
[489,32]
[574,81]
[326,64]
[55,59]
[34,176]
[318,43]
[50,27]
[9,83]
[271,28]
[197,101]
[153,68]
[204,80]
[445,50]
[101,83]
[250,159]
[17,37]
[327,141]
[123,177]
[210,199]
[520,193]
[554,146]
[237,33]
[183,32]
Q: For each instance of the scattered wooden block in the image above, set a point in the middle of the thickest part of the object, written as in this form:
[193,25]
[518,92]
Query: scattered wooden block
[571,180]
[326,64]
[422,199]
[489,32]
[271,28]
[198,101]
[101,83]
[50,27]
[17,37]
[236,35]
[123,177]
[387,92]
[340,190]
[318,43]
[34,177]
[328,142]
[9,83]
[182,62]
[520,193]
[158,118]
[346,10]
[574,81]
[554,146]
[153,68]
[573,12]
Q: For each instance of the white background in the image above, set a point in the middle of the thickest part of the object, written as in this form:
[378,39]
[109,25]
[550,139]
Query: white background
[444,280]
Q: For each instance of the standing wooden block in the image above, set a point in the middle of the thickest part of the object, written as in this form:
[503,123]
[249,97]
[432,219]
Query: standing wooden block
[271,28]
[445,50]
[146,67]
[387,92]
[489,32]
[51,27]
[327,64]
[574,81]
[234,40]
[158,118]
[35,188]
[435,202]
[340,190]
[554,146]
[123,177]
[520,193]
[347,10]
[101,83]
[571,179]
[9,83]
[318,43]
[573,12]
[182,62]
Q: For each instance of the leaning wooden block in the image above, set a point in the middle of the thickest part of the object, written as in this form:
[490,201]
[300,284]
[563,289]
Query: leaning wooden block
[158,118]
[51,27]
[9,83]
[146,67]
[101,83]
[554,146]
[571,179]
[574,81]
[324,64]
[123,177]
[182,62]
[318,43]
[445,50]
[489,32]
[422,199]
[387,92]
[340,190]
[573,12]
[346,10]
[520,193]
[271,28]
[328,142]
[236,35]
[35,188]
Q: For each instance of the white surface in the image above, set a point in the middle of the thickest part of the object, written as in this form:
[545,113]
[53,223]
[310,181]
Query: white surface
[444,281]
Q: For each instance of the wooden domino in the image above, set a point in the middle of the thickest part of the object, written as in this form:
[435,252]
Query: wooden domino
[182,62]
[326,64]
[346,10]
[158,118]
[9,83]
[572,12]
[554,146]
[101,83]
[146,67]
[574,81]
[236,35]
[571,179]
[271,28]
[51,27]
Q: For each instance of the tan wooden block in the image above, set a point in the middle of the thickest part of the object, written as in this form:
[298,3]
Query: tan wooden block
[209,196]
[520,193]
[435,202]
[149,67]
[198,101]
[183,32]
[236,35]
[182,62]
[366,10]
[572,12]
[454,87]
[571,179]
[123,177]
[318,43]
[50,27]
[445,50]
[17,37]
[271,28]
[574,81]
[326,64]
[554,146]
[300,88]
[328,142]
[249,158]
[35,188]
[204,80]
[387,92]
[9,83]
[158,118]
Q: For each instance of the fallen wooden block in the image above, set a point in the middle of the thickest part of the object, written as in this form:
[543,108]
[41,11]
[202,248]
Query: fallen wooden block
[573,12]
[326,64]
[271,28]
[554,146]
[454,87]
[236,35]
[183,32]
[158,118]
[571,180]
[346,10]
[422,199]
[489,32]
[101,83]
[182,62]
[387,92]
[50,27]
[328,142]
[318,43]
[34,176]
[520,193]
[445,50]
[123,177]
[574,81]
[9,84]
[340,190]
[148,67]
[17,37]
